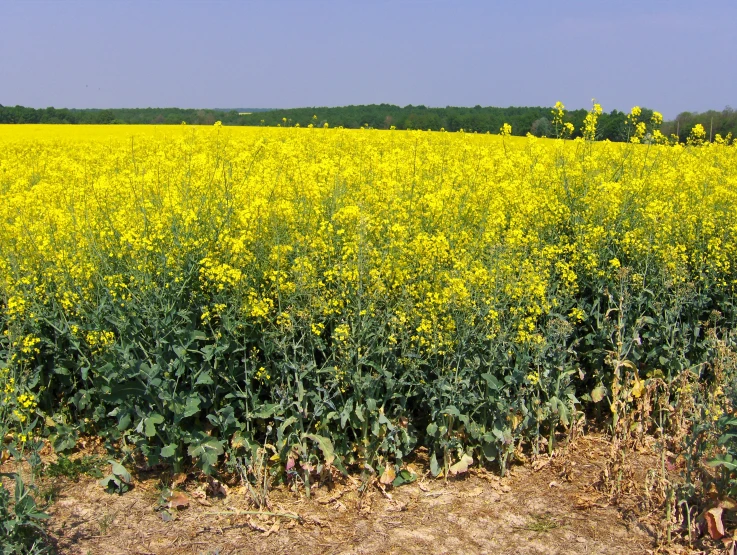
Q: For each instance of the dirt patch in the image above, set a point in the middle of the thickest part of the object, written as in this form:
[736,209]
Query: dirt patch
[549,506]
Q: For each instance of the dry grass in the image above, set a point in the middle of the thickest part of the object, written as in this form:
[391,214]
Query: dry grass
[549,505]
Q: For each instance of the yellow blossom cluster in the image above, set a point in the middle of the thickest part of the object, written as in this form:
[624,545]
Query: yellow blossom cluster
[430,233]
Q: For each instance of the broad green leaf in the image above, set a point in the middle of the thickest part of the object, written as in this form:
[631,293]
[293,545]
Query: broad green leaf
[491,381]
[328,451]
[120,471]
[169,450]
[451,411]
[151,422]
[206,450]
[267,411]
[192,407]
[404,477]
[346,413]
[359,413]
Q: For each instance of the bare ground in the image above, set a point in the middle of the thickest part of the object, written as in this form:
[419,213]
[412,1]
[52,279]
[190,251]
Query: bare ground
[548,506]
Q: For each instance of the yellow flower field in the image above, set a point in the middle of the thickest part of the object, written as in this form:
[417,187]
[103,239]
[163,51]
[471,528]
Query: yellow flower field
[345,295]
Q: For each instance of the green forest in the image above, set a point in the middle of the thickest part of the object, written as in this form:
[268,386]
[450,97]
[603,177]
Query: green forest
[478,119]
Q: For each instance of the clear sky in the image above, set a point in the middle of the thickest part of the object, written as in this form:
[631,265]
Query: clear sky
[669,55]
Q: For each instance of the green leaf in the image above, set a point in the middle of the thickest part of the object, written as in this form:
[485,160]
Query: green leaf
[491,381]
[385,422]
[490,451]
[346,413]
[359,413]
[120,471]
[151,422]
[450,410]
[404,477]
[204,379]
[192,407]
[113,484]
[124,391]
[65,438]
[169,451]
[325,445]
[328,451]
[124,422]
[434,466]
[206,450]
[267,411]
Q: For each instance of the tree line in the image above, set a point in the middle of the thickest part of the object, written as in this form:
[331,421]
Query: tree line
[477,119]
[715,123]
[148,116]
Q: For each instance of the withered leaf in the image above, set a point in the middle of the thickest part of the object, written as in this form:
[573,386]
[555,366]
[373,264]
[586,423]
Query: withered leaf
[200,496]
[388,476]
[714,523]
[461,466]
[215,488]
[178,479]
[178,500]
[598,393]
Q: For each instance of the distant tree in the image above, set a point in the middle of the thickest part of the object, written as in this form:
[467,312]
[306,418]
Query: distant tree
[542,127]
[104,117]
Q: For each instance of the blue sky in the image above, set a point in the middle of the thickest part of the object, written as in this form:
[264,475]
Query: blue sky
[669,55]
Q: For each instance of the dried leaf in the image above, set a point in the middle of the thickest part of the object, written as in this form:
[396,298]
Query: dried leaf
[423,487]
[200,496]
[255,527]
[461,466]
[178,500]
[383,491]
[273,530]
[331,499]
[178,479]
[540,464]
[215,488]
[475,492]
[516,419]
[388,476]
[714,523]
[397,506]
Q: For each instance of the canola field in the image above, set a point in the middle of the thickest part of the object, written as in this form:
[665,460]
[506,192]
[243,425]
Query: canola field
[344,297]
